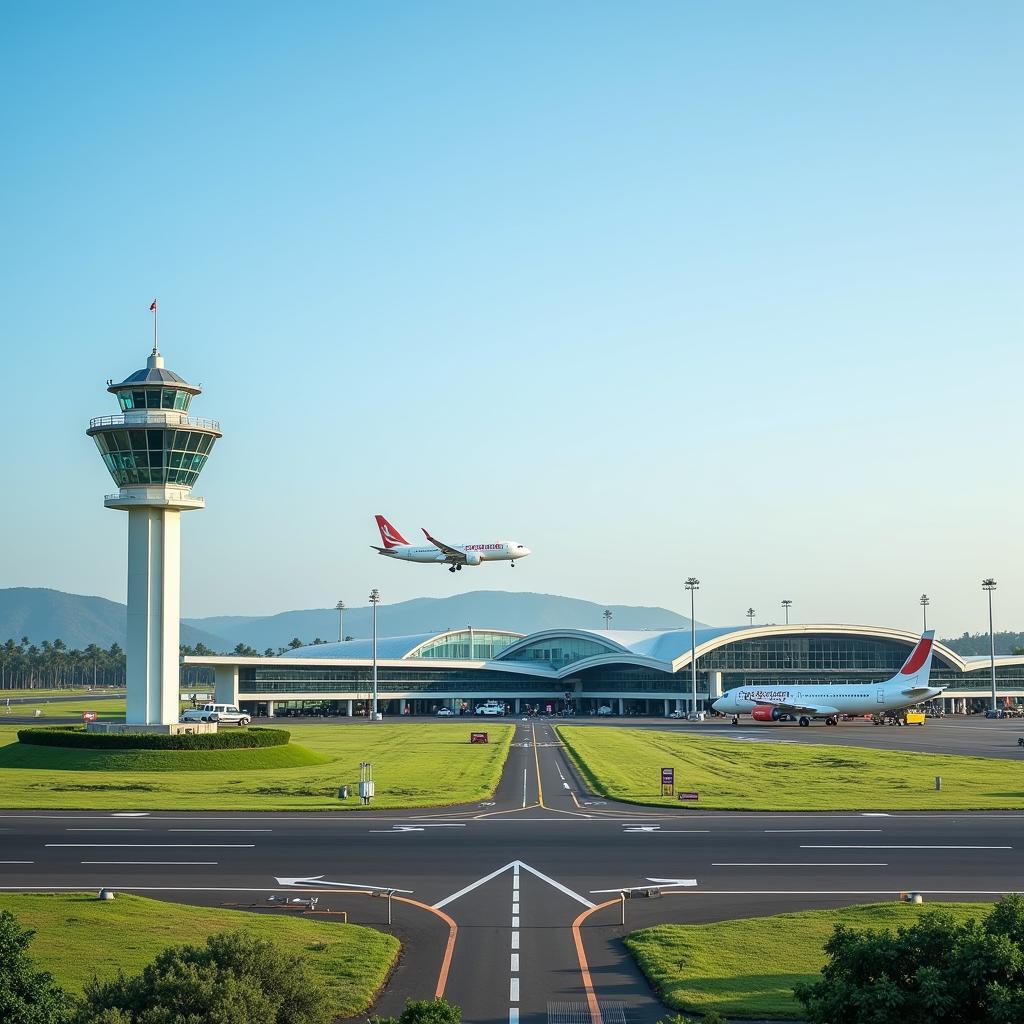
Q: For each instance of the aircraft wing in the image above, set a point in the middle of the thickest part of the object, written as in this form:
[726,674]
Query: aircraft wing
[452,554]
[802,709]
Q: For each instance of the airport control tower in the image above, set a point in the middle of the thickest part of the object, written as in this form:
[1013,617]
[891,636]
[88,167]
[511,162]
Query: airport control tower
[155,452]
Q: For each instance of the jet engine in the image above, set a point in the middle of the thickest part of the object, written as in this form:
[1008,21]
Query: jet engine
[765,713]
[472,558]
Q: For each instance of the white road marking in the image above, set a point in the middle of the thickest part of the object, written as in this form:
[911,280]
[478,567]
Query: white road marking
[182,863]
[876,814]
[515,908]
[105,830]
[211,830]
[792,864]
[396,829]
[906,847]
[514,963]
[515,940]
[515,883]
[320,880]
[663,831]
[515,865]
[513,1015]
[565,785]
[515,920]
[513,990]
[524,787]
[130,814]
[157,846]
[767,830]
[17,862]
[558,885]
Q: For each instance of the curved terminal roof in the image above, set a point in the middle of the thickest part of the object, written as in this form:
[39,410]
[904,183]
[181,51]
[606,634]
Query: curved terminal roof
[392,647]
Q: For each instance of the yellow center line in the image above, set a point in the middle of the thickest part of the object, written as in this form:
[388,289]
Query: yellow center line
[536,761]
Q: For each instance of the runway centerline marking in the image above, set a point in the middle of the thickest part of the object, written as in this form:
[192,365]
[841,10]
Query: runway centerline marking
[155,863]
[785,830]
[806,847]
[793,864]
[136,829]
[155,846]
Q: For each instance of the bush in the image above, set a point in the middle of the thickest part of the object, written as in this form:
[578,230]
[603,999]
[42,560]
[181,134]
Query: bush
[27,996]
[424,1011]
[235,977]
[76,736]
[933,972]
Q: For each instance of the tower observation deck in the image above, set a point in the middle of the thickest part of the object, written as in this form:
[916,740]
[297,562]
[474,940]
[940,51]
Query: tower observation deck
[155,451]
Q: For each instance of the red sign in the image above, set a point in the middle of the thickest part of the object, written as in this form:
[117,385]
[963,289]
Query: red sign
[688,796]
[88,716]
[668,776]
[479,737]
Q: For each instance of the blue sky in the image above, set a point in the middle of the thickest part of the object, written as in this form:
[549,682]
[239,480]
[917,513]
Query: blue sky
[657,289]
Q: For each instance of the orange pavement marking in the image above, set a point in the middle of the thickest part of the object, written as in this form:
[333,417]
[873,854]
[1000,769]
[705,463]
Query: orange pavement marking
[449,950]
[588,984]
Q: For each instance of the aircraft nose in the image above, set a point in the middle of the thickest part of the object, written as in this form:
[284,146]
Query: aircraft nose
[523,551]
[717,705]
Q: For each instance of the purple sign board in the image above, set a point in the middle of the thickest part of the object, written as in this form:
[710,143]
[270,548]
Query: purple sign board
[688,796]
[668,776]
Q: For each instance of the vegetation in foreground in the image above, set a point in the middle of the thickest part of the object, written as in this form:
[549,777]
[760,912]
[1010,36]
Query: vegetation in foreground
[414,766]
[626,764]
[124,962]
[750,967]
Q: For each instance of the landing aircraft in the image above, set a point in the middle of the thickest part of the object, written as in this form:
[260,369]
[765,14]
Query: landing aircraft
[455,556]
[909,686]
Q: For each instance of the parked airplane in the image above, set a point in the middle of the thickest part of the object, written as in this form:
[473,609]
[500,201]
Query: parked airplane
[909,686]
[455,556]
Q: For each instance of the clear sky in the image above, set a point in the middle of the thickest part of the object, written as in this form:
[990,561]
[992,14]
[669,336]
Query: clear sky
[657,289]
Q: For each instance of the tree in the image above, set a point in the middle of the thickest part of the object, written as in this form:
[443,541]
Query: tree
[295,642]
[235,978]
[934,971]
[27,996]
[424,1011]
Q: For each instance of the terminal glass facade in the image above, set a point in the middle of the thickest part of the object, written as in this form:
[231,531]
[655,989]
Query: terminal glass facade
[479,645]
[141,457]
[558,651]
[155,398]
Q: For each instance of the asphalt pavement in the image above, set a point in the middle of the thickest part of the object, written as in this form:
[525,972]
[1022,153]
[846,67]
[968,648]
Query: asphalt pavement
[485,896]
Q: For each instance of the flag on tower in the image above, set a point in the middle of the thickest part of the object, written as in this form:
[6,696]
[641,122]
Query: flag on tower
[152,307]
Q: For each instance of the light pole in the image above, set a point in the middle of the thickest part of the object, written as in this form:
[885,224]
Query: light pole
[607,618]
[924,611]
[374,601]
[750,615]
[340,608]
[786,604]
[990,585]
[692,584]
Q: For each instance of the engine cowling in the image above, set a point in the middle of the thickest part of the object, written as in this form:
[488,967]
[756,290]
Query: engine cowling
[473,558]
[765,713]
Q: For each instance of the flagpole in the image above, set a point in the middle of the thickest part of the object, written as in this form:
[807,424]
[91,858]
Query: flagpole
[156,335]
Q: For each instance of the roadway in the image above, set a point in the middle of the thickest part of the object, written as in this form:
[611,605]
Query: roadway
[493,889]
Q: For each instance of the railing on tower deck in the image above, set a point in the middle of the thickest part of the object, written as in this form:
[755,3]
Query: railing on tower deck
[153,417]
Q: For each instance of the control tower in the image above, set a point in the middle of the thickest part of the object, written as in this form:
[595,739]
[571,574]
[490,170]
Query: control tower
[155,452]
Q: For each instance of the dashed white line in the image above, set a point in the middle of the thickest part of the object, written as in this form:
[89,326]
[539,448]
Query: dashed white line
[17,862]
[515,922]
[514,963]
[219,830]
[515,940]
[513,1015]
[156,846]
[906,847]
[788,830]
[180,863]
[513,990]
[792,864]
[515,908]
[105,830]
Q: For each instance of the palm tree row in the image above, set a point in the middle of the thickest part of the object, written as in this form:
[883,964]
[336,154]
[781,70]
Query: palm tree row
[26,666]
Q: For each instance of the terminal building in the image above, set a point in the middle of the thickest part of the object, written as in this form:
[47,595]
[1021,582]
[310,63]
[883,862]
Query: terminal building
[628,672]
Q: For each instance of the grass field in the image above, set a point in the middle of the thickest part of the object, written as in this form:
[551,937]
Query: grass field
[414,766]
[625,764]
[57,692]
[749,967]
[109,709]
[78,936]
[28,756]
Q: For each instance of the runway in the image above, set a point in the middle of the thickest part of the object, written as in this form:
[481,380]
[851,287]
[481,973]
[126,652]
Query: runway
[512,875]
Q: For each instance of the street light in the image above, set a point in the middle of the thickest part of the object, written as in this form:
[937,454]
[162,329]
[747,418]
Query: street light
[374,601]
[750,615]
[607,618]
[786,603]
[990,585]
[924,610]
[692,584]
[340,608]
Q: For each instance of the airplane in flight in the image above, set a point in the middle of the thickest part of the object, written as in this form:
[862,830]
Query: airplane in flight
[455,556]
[769,704]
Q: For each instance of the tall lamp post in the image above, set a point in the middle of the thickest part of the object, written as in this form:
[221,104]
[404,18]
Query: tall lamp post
[925,601]
[374,601]
[750,615]
[692,584]
[787,604]
[340,609]
[990,585]
[607,618]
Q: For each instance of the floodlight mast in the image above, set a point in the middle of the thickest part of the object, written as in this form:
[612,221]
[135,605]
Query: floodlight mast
[692,584]
[374,601]
[925,601]
[989,585]
[787,604]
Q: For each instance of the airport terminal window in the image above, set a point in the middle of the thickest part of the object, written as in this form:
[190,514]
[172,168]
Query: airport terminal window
[140,457]
[456,645]
[558,651]
[809,654]
[155,398]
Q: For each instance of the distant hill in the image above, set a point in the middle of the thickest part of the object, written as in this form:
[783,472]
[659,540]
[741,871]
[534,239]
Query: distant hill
[978,643]
[521,613]
[42,614]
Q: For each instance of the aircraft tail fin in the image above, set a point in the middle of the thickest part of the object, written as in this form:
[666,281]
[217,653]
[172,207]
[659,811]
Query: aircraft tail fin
[389,536]
[917,667]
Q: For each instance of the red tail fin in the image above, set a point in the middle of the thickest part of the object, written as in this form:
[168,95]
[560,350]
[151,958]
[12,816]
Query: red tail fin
[389,536]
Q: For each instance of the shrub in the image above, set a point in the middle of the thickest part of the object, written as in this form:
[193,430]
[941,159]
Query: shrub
[27,996]
[424,1011]
[76,736]
[235,977]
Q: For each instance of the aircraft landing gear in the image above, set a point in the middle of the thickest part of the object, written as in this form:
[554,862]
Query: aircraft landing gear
[458,566]
[451,568]
[832,721]
[804,720]
[736,721]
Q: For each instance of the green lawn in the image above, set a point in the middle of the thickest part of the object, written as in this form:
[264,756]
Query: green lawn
[109,709]
[78,936]
[57,692]
[414,764]
[626,764]
[749,967]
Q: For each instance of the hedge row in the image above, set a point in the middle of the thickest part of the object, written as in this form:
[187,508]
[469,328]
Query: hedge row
[76,736]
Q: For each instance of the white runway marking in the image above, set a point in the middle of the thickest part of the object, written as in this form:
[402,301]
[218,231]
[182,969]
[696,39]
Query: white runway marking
[524,787]
[17,862]
[157,846]
[906,847]
[792,864]
[513,1015]
[165,863]
[515,940]
[216,830]
[513,990]
[514,962]
[515,865]
[105,830]
[515,920]
[780,830]
[130,814]
[515,908]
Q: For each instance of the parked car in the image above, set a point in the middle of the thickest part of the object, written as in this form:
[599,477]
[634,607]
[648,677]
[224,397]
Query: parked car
[604,709]
[677,714]
[227,714]
[995,713]
[445,712]
[490,708]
